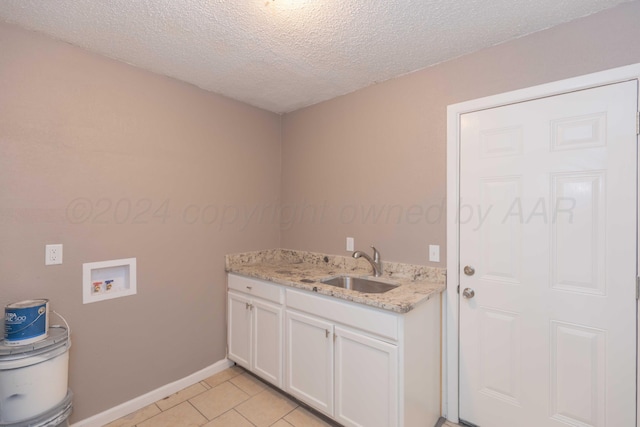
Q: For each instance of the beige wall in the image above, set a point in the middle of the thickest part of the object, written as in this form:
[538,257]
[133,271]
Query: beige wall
[80,132]
[382,149]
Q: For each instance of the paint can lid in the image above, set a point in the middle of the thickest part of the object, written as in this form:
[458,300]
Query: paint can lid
[27,303]
[58,338]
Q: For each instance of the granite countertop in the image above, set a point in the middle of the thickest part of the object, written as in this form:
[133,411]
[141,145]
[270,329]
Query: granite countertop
[304,270]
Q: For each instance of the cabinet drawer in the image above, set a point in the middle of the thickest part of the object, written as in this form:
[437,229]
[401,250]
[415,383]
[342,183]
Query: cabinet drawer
[256,288]
[363,318]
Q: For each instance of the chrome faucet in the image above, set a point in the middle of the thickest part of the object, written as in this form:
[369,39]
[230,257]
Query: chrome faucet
[375,262]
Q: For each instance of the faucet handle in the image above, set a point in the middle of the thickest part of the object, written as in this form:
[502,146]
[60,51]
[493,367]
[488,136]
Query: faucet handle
[376,254]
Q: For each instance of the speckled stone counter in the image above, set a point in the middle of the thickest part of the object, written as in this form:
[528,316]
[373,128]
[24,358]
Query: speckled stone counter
[304,270]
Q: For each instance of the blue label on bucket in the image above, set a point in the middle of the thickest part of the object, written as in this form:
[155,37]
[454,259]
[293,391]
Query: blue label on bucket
[25,323]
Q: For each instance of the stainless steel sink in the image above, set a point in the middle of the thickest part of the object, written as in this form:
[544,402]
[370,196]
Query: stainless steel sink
[359,284]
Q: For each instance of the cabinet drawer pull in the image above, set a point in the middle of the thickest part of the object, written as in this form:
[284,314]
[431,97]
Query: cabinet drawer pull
[249,287]
[326,333]
[249,306]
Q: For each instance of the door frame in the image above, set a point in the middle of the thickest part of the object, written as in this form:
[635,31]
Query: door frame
[451,301]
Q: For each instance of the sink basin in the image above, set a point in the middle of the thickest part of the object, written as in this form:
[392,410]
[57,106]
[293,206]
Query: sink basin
[360,284]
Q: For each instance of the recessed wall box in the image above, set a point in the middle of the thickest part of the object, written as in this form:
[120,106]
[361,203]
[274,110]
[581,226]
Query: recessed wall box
[108,279]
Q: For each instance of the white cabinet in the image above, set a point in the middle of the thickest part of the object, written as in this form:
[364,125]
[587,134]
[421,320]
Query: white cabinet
[366,380]
[362,366]
[255,327]
[267,341]
[239,329]
[331,365]
[310,360]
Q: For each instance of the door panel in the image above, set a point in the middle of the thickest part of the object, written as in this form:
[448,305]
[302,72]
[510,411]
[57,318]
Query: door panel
[548,222]
[267,341]
[500,239]
[577,362]
[310,360]
[500,371]
[239,329]
[578,240]
[366,379]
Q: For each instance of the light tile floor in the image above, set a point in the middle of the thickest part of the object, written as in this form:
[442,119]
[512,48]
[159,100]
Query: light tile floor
[231,398]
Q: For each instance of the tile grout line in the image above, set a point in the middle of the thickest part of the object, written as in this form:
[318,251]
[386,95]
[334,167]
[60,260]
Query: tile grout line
[198,411]
[186,400]
[296,407]
[148,418]
[231,409]
[241,390]
[240,413]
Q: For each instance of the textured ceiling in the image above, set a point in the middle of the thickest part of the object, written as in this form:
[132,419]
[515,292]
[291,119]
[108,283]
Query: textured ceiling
[282,55]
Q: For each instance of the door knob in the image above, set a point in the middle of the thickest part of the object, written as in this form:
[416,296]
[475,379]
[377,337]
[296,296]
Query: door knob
[468,293]
[469,271]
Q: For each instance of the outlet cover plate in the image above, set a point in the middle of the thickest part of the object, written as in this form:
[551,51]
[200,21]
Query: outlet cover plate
[350,244]
[53,254]
[434,253]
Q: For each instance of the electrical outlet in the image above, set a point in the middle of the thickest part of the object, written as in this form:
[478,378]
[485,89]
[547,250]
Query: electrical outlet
[434,253]
[350,244]
[53,254]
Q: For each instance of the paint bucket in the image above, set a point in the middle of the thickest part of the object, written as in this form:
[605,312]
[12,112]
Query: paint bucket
[26,322]
[54,417]
[34,381]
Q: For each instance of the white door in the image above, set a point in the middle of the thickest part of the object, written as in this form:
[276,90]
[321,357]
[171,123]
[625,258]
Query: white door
[366,380]
[310,360]
[548,230]
[267,341]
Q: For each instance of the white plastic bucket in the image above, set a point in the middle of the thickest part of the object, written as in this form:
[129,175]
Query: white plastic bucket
[55,417]
[33,378]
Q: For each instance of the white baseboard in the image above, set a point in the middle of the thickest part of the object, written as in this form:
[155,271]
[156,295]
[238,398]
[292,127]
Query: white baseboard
[140,402]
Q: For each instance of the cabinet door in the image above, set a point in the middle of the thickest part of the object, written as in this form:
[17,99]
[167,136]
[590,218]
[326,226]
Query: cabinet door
[267,341]
[366,380]
[310,360]
[239,329]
